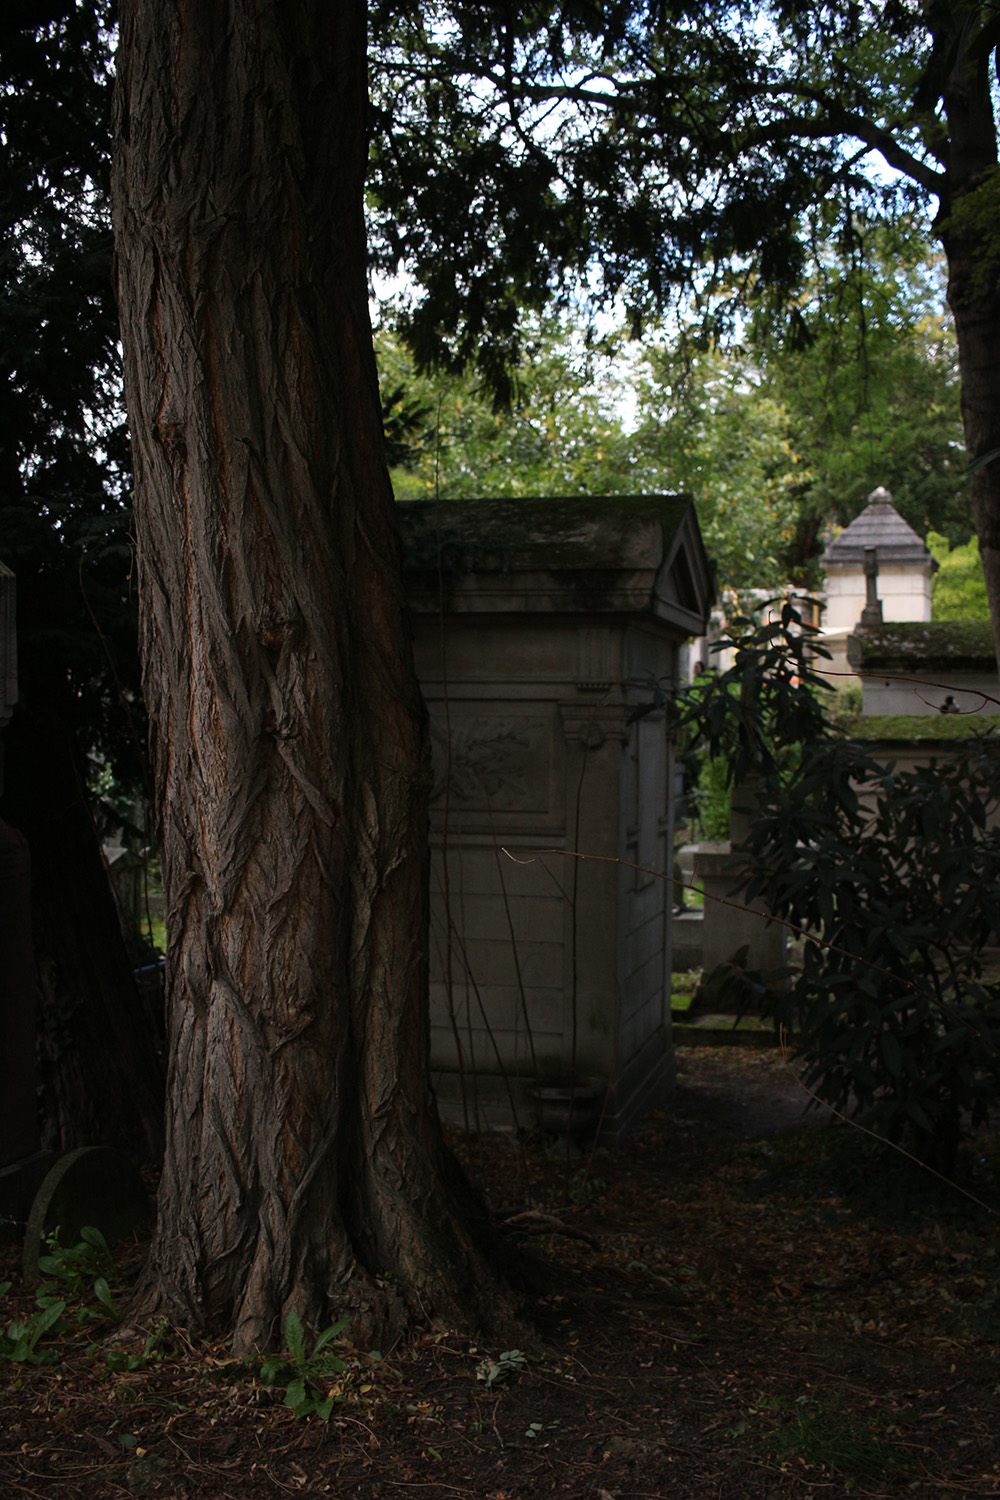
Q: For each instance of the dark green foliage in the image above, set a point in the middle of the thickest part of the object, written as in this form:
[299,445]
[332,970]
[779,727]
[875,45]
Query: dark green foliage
[78,1271]
[527,155]
[65,515]
[896,875]
[873,397]
[771,443]
[893,878]
[768,702]
[408,425]
[75,1275]
[19,1344]
[65,500]
[711,799]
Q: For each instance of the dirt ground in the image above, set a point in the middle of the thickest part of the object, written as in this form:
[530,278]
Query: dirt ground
[739,1306]
[730,1095]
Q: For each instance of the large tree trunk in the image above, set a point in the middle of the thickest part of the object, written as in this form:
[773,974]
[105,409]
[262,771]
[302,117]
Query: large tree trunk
[304,1165]
[968,224]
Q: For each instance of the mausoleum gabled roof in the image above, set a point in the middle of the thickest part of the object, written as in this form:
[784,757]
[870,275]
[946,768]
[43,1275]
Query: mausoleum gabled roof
[608,554]
[881,526]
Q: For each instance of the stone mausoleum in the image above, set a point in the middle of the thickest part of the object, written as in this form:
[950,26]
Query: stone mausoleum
[905,568]
[547,636]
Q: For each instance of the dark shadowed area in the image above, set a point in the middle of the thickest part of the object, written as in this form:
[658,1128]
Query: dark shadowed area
[729,1305]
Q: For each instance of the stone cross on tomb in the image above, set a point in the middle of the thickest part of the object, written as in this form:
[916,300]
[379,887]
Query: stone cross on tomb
[872,612]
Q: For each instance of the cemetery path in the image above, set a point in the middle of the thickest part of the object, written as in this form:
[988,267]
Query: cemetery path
[739,1093]
[734,1308]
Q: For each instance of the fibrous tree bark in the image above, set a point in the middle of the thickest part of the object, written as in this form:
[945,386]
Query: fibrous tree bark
[967,223]
[304,1166]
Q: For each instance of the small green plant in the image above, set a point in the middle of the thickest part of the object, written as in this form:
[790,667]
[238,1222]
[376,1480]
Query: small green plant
[19,1343]
[683,988]
[712,798]
[685,981]
[79,1269]
[493,1372]
[118,1362]
[845,705]
[826,1435]
[75,1275]
[78,1272]
[587,1189]
[303,1370]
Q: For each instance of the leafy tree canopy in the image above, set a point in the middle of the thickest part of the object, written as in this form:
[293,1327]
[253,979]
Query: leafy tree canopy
[562,434]
[872,393]
[958,591]
[772,442]
[633,151]
[613,419]
[651,152]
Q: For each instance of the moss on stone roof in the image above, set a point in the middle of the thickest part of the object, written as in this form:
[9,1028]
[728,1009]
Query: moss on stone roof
[931,645]
[531,533]
[915,728]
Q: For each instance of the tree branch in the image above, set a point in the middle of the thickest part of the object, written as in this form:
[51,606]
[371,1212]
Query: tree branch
[837,121]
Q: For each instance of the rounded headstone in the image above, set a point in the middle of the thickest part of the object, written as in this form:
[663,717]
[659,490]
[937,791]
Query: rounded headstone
[96,1186]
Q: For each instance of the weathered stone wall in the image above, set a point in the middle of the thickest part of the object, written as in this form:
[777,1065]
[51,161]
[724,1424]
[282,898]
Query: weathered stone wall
[550,949]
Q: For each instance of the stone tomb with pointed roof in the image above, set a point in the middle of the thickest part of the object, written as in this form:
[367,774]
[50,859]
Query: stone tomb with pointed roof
[540,625]
[905,568]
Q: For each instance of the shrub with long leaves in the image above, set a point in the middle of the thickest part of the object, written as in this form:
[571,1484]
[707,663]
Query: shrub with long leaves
[305,1369]
[893,876]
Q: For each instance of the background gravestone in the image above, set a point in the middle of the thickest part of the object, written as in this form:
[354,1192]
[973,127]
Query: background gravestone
[18,1096]
[95,1186]
[22,1163]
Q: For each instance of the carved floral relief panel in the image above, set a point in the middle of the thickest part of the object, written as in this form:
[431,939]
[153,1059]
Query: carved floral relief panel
[498,762]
